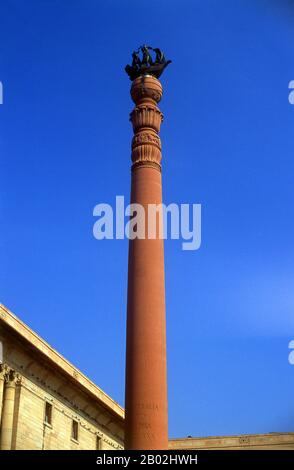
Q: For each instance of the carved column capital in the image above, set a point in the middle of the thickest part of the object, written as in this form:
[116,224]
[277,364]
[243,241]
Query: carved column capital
[146,118]
[11,377]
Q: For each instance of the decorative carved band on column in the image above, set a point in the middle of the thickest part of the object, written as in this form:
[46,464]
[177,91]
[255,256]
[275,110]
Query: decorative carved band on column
[10,380]
[146,118]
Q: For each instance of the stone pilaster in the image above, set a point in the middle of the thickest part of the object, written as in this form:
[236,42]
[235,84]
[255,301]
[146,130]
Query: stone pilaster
[10,378]
[3,369]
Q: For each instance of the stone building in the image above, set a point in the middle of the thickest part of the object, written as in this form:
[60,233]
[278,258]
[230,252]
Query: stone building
[46,403]
[271,441]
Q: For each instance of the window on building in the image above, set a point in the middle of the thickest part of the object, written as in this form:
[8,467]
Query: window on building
[98,443]
[48,413]
[75,430]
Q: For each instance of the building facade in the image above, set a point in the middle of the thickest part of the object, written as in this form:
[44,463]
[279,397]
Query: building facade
[47,404]
[272,441]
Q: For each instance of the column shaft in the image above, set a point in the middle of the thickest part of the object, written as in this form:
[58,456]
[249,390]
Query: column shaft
[146,389]
[7,412]
[1,391]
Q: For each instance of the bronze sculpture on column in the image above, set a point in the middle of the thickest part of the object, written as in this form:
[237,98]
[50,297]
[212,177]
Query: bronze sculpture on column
[146,386]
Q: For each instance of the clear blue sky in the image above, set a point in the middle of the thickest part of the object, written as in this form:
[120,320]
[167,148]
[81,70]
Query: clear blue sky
[227,144]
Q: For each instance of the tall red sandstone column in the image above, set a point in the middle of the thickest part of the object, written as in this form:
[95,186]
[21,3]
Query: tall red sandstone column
[146,387]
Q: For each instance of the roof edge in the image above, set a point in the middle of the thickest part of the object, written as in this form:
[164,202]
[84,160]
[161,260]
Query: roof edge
[25,332]
[231,436]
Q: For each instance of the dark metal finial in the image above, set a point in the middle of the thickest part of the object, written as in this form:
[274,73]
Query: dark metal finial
[144,64]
